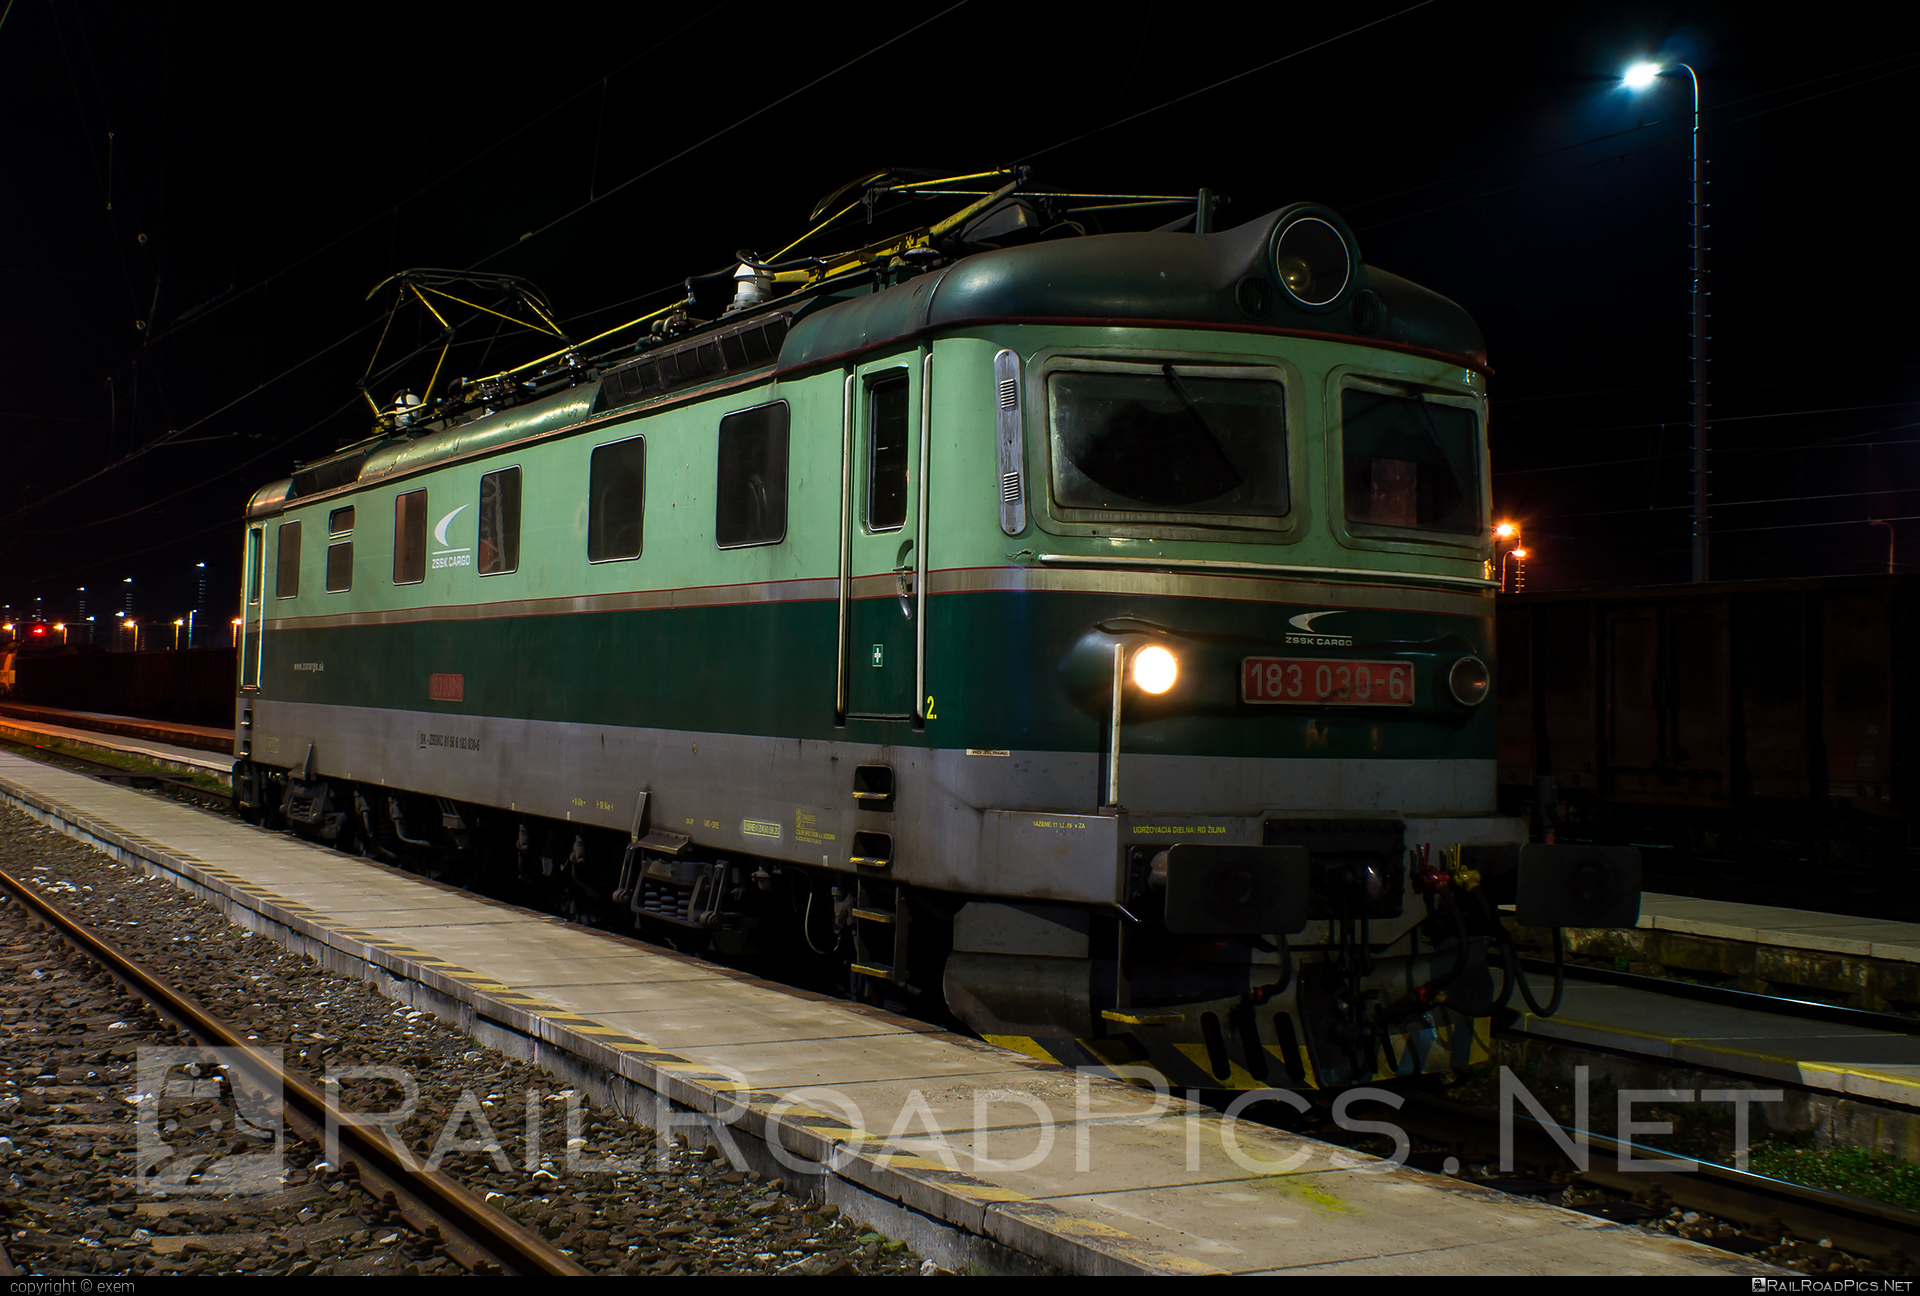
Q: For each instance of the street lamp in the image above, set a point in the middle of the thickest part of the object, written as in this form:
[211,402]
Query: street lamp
[1639,77]
[61,626]
[1517,560]
[177,623]
[236,632]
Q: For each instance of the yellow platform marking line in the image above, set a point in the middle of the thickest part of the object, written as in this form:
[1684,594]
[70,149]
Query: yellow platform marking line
[1728,1050]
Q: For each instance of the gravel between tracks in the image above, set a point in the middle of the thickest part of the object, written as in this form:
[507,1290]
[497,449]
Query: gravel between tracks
[69,1036]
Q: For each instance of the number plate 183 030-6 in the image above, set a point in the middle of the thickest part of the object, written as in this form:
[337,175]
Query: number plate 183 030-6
[1321,682]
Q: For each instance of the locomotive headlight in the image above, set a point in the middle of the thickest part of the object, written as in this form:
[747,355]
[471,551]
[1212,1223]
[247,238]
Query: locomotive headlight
[1312,261]
[1155,669]
[1468,681]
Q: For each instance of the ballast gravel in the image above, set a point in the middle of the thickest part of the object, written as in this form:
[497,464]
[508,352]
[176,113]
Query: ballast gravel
[598,1186]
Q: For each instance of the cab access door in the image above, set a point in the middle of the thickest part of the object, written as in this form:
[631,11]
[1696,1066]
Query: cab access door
[883,555]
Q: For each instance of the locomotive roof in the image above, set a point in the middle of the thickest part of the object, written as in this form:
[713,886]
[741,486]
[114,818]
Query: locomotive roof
[1221,280]
[1152,278]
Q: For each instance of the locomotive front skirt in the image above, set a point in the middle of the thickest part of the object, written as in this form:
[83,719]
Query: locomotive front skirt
[1093,634]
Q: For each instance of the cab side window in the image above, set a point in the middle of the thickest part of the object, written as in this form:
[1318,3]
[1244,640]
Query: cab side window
[887,416]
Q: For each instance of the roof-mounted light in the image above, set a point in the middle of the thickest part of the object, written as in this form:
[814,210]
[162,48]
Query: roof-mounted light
[1312,260]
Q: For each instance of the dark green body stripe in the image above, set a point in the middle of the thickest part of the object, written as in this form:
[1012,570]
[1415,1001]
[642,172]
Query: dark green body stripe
[1003,669]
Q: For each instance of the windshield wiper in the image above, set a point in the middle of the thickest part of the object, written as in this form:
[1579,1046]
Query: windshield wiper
[1193,407]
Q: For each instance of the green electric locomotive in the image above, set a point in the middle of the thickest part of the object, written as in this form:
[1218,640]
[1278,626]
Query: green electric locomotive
[1091,633]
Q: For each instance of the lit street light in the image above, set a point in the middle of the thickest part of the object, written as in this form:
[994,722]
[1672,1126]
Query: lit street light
[177,623]
[1638,77]
[1516,559]
[236,632]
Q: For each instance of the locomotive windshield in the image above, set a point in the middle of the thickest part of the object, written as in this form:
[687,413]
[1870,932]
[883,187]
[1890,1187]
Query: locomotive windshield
[1169,440]
[1410,462]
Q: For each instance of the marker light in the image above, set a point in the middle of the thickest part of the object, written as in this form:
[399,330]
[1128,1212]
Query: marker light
[1641,75]
[1155,669]
[1468,681]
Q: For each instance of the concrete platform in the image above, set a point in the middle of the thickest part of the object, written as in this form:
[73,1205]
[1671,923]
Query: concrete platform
[1876,1066]
[975,1153]
[1788,928]
[164,754]
[177,733]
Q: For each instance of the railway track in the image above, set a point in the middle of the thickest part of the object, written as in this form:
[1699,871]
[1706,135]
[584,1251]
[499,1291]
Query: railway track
[477,1237]
[1777,1005]
[1765,1208]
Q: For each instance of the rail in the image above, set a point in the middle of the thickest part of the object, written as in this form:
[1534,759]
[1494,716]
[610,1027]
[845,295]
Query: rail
[475,1236]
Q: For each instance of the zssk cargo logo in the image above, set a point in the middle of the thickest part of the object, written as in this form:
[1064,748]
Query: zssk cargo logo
[1312,638]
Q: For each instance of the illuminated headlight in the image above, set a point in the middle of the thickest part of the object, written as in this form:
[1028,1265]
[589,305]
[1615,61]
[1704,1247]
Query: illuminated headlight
[1468,681]
[1155,669]
[1311,260]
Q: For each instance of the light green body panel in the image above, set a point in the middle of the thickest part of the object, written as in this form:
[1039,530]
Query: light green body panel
[963,526]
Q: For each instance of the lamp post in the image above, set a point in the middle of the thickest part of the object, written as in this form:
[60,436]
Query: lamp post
[1517,559]
[1639,77]
[177,623]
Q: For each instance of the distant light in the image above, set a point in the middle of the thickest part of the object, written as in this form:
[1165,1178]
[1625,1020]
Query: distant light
[1155,669]
[236,620]
[1641,75]
[39,629]
[1520,553]
[60,625]
[1506,531]
[120,614]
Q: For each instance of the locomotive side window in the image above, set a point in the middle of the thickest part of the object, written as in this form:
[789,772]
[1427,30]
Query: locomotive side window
[887,419]
[286,576]
[340,553]
[340,567]
[1168,440]
[1410,463]
[410,538]
[499,543]
[616,500]
[750,506]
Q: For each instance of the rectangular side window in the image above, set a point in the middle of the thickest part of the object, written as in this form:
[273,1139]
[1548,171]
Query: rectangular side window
[286,577]
[256,563]
[750,504]
[500,522]
[1410,463]
[410,538]
[340,567]
[616,500]
[340,521]
[887,419]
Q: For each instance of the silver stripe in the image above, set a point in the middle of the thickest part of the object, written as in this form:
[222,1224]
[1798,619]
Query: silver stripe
[1277,569]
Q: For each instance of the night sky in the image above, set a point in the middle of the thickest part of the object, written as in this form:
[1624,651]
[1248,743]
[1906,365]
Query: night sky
[268,165]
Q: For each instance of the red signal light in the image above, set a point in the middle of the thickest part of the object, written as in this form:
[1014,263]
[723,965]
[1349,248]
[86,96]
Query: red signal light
[39,630]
